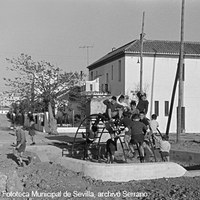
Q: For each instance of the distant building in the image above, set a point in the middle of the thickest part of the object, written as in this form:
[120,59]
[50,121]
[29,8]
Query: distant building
[4,109]
[7,100]
[119,72]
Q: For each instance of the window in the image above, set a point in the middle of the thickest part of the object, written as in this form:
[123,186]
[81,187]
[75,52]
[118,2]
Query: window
[102,88]
[120,70]
[92,76]
[183,72]
[166,108]
[91,87]
[106,88]
[112,72]
[157,108]
[96,74]
[106,77]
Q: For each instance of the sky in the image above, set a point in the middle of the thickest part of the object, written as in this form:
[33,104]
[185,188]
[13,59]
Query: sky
[54,30]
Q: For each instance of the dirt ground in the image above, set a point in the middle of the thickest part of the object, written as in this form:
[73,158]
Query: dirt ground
[52,181]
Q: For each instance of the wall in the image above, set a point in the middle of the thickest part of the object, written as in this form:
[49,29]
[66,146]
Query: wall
[165,69]
[96,105]
[115,86]
[94,84]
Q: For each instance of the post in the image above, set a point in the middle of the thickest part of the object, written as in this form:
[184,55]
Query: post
[73,118]
[181,85]
[32,93]
[172,101]
[141,53]
[152,83]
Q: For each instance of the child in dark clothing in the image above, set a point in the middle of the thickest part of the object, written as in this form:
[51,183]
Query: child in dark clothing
[111,147]
[126,122]
[20,142]
[138,130]
[143,104]
[113,109]
[32,129]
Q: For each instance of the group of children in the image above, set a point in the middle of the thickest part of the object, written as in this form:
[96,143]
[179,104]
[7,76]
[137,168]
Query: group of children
[139,130]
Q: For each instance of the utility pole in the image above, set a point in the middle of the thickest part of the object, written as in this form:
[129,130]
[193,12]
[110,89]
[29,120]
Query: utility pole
[152,82]
[32,93]
[141,53]
[180,116]
[87,51]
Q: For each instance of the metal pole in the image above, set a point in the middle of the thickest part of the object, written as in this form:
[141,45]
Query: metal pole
[172,101]
[73,118]
[141,52]
[32,93]
[87,56]
[181,88]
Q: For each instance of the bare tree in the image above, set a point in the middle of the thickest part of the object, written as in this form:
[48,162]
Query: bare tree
[39,81]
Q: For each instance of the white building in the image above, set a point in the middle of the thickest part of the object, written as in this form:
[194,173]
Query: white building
[119,72]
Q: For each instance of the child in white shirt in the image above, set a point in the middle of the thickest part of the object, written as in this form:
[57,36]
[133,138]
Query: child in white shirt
[164,146]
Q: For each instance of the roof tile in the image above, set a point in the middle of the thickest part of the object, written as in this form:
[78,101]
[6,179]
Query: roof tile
[152,47]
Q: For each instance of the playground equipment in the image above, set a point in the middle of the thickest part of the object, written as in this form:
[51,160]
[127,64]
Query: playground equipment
[91,136]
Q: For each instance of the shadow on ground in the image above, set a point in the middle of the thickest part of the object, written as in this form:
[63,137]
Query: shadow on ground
[193,167]
[63,138]
[12,157]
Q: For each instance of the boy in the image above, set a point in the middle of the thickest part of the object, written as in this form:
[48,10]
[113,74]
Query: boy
[165,147]
[32,129]
[144,119]
[147,141]
[111,147]
[113,109]
[121,101]
[20,141]
[133,109]
[91,136]
[143,104]
[153,126]
[138,130]
[126,122]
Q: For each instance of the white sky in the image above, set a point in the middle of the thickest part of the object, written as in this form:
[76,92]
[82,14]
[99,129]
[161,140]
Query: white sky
[53,30]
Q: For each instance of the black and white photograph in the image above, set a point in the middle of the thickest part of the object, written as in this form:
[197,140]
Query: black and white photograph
[99,99]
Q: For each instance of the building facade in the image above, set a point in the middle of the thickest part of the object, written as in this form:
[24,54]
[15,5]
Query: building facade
[119,73]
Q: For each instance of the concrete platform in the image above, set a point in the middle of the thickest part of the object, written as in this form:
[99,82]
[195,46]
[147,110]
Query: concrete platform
[188,157]
[110,172]
[68,129]
[192,173]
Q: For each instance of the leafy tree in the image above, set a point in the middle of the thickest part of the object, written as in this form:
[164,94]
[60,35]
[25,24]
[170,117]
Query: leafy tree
[39,82]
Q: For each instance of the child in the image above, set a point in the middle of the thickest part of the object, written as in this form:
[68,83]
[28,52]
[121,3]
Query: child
[138,130]
[143,104]
[90,138]
[133,109]
[32,129]
[126,122]
[154,126]
[165,147]
[20,141]
[111,147]
[113,109]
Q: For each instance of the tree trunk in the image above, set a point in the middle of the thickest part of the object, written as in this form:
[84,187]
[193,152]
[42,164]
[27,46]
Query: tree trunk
[52,122]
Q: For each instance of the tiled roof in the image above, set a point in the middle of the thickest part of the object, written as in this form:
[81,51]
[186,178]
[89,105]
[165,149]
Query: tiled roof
[162,47]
